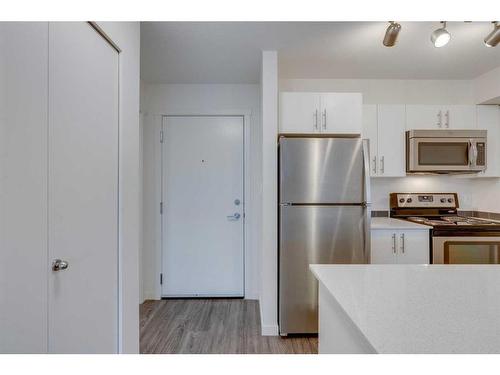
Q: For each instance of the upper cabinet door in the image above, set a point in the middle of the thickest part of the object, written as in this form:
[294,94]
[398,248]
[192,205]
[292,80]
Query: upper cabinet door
[391,141]
[488,118]
[459,117]
[425,117]
[341,113]
[370,132]
[300,112]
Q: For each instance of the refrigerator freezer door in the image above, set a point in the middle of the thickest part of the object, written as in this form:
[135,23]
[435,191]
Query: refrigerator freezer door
[321,170]
[314,235]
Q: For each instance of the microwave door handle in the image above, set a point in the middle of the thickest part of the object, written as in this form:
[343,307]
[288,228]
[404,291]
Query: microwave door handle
[470,153]
[474,153]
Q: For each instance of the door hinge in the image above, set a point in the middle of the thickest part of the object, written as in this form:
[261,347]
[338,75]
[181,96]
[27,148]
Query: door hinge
[161,279]
[161,208]
[161,136]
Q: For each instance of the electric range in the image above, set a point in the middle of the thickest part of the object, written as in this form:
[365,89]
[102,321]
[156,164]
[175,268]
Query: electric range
[455,238]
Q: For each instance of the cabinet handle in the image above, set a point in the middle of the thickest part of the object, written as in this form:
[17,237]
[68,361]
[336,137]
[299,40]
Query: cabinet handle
[440,119]
[316,120]
[447,115]
[324,119]
[375,165]
[382,165]
[394,243]
[402,238]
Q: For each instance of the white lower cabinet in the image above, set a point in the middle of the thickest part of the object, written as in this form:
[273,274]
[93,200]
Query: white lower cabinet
[390,246]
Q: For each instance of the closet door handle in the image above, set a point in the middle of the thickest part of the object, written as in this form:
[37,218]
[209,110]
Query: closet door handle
[382,165]
[375,165]
[316,120]
[402,238]
[394,243]
[59,265]
[324,119]
[440,119]
[447,116]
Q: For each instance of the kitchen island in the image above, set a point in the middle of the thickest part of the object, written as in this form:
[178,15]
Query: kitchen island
[408,308]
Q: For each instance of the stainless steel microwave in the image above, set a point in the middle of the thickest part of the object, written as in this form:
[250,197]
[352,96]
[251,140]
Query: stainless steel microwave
[445,151]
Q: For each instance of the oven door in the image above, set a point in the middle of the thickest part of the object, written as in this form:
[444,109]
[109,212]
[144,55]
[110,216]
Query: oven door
[445,155]
[466,250]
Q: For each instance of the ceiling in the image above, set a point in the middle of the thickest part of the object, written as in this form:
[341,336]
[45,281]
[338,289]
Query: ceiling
[229,52]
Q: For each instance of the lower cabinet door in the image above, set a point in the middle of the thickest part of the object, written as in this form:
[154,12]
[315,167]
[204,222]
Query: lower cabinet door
[383,247]
[413,247]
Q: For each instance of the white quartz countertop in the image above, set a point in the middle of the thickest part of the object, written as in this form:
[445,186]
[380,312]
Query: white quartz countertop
[419,308]
[395,224]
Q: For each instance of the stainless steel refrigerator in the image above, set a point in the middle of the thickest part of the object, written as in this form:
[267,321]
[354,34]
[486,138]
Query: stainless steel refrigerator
[324,218]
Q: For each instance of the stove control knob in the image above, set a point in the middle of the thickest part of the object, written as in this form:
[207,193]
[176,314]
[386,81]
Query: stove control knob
[401,200]
[450,200]
[409,200]
[443,200]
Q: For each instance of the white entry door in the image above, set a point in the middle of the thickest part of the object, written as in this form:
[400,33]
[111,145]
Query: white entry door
[83,190]
[203,204]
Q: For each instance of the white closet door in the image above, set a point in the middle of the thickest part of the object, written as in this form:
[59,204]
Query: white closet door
[83,190]
[203,207]
[23,187]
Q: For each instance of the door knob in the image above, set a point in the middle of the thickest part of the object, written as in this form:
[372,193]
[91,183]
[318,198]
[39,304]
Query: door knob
[235,216]
[59,265]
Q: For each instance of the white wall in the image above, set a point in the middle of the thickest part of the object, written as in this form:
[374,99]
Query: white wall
[466,187]
[23,187]
[487,87]
[158,99]
[127,36]
[391,91]
[269,258]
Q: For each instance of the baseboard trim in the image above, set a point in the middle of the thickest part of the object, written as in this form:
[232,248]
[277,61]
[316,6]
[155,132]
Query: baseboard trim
[267,329]
[149,295]
[270,330]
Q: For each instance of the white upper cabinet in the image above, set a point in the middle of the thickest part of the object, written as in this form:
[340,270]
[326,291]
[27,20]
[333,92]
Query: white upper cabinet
[369,132]
[333,113]
[384,127]
[300,112]
[391,140]
[440,117]
[460,117]
[341,113]
[488,118]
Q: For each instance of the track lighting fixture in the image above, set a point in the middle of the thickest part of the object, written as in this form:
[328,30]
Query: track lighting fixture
[440,37]
[493,38]
[391,34]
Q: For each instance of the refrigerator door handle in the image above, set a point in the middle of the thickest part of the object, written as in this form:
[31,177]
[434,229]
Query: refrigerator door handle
[366,171]
[367,201]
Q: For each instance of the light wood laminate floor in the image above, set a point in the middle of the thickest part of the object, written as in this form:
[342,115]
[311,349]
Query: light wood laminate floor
[194,326]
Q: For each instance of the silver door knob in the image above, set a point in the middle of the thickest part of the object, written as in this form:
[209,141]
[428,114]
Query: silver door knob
[235,216]
[59,265]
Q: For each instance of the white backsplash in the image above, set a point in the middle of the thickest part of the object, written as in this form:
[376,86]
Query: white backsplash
[472,192]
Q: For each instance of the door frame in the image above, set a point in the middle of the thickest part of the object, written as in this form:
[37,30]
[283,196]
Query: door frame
[247,203]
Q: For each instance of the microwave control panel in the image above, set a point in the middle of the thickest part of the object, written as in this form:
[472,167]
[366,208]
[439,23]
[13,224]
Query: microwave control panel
[481,154]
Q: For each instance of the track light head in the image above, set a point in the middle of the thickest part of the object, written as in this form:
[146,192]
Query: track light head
[440,37]
[391,34]
[493,38]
